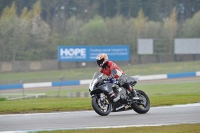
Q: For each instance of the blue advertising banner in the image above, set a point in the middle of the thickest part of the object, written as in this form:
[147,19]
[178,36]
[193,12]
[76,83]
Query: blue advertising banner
[89,53]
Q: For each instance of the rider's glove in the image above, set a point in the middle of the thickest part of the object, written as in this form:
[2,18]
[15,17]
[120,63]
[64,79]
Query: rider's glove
[115,81]
[108,79]
[112,80]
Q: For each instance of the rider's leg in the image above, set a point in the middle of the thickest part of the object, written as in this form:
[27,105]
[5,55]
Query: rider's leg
[123,81]
[131,90]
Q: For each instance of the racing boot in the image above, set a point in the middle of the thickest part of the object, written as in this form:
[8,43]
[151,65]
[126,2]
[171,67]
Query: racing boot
[133,93]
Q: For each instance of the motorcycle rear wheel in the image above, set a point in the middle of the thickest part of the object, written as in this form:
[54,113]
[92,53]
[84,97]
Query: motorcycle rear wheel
[98,106]
[141,106]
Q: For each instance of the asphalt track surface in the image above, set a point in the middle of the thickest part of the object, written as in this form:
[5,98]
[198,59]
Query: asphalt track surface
[89,119]
[166,115]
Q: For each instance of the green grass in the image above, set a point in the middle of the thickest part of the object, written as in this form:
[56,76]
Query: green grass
[77,104]
[181,128]
[86,73]
[159,94]
[166,89]
[2,99]
[44,105]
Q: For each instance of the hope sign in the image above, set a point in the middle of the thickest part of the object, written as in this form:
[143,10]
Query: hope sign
[89,53]
[73,52]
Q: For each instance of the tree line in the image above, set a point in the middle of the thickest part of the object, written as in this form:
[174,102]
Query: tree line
[156,10]
[32,30]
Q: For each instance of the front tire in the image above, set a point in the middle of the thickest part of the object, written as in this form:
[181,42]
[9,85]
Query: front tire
[141,106]
[100,107]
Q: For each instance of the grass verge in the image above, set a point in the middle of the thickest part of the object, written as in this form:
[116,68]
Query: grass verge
[74,104]
[159,94]
[181,128]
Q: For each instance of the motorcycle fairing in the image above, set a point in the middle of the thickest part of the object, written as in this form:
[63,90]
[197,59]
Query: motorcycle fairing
[107,88]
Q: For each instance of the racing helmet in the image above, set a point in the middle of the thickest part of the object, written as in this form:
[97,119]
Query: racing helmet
[101,59]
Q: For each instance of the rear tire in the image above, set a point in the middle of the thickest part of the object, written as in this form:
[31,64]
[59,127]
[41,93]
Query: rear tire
[142,106]
[98,109]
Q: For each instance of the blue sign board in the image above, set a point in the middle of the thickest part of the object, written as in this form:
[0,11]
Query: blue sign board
[89,53]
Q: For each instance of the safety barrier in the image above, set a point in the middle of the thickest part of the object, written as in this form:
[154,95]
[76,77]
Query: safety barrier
[82,82]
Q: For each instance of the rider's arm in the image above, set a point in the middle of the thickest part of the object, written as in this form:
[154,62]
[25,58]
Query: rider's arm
[101,70]
[114,70]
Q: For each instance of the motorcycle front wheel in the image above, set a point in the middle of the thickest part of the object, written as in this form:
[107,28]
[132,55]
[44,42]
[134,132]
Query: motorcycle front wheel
[101,106]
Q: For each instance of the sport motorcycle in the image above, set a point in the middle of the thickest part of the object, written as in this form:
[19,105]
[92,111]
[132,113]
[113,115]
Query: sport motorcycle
[100,89]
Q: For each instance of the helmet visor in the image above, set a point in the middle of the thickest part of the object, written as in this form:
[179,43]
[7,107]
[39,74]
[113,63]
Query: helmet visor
[100,62]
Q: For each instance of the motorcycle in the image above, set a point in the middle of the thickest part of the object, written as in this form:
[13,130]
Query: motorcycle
[100,89]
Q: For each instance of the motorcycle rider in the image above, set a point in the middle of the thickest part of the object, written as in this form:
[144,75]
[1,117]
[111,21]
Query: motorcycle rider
[111,69]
